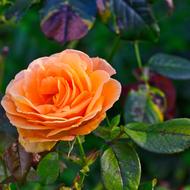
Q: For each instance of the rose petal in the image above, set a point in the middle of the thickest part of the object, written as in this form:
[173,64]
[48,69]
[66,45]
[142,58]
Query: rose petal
[58,124]
[81,97]
[74,61]
[49,85]
[41,136]
[98,78]
[85,60]
[10,108]
[77,110]
[89,126]
[36,147]
[20,122]
[111,92]
[101,64]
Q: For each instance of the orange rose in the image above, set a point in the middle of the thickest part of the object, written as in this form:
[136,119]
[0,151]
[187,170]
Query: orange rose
[59,97]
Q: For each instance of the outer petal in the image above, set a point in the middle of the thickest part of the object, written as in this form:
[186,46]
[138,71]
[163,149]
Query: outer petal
[111,92]
[18,82]
[41,136]
[91,125]
[36,147]
[101,64]
[86,60]
[98,79]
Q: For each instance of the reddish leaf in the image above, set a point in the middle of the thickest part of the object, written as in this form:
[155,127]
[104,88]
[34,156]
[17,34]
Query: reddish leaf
[18,161]
[168,88]
[160,82]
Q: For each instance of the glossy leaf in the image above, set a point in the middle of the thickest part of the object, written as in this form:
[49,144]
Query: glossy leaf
[166,137]
[120,167]
[170,66]
[132,20]
[66,20]
[48,168]
[139,107]
[18,161]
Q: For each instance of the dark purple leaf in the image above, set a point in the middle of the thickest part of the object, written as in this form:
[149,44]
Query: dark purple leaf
[67,20]
[131,19]
[18,161]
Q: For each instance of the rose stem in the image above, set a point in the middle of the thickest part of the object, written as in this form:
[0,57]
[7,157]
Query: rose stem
[83,157]
[81,149]
[137,53]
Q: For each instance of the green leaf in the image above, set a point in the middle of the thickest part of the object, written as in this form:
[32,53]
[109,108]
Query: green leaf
[108,133]
[103,132]
[32,186]
[120,167]
[115,121]
[187,188]
[132,20]
[167,137]
[170,66]
[161,188]
[139,107]
[48,168]
[19,8]
[148,185]
[67,20]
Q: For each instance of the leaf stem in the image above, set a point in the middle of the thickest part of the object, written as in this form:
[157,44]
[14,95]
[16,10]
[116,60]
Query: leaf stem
[73,44]
[137,53]
[114,48]
[81,149]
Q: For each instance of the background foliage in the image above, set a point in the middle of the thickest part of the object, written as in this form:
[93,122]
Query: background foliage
[24,29]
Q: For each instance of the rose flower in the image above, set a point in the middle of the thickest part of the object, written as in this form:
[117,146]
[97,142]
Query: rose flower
[59,97]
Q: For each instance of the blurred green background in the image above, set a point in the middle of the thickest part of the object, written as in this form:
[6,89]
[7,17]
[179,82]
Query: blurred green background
[22,42]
